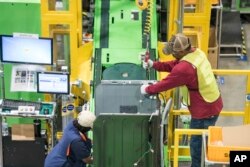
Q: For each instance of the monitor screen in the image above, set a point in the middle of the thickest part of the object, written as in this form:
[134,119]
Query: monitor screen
[53,82]
[26,50]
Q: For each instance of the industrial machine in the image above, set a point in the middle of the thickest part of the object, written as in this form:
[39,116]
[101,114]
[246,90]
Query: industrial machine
[95,50]
[99,46]
[123,33]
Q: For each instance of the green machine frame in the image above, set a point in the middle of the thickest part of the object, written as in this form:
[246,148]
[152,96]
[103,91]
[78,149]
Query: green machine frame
[243,6]
[119,40]
[126,141]
[27,22]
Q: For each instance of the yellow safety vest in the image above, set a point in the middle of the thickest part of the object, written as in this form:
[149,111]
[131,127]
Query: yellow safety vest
[207,85]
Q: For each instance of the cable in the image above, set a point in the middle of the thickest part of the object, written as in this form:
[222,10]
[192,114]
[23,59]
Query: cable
[163,97]
[145,153]
[149,15]
[150,118]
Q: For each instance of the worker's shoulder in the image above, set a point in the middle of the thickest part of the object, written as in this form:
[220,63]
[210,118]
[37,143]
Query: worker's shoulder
[185,68]
[77,142]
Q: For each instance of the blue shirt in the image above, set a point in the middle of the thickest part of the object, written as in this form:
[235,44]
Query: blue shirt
[79,149]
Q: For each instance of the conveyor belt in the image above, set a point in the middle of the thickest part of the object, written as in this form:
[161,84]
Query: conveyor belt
[104,38]
[231,28]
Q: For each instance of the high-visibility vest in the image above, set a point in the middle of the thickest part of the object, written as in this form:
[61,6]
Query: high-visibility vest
[207,85]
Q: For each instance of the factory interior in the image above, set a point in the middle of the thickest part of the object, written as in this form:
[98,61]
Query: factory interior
[63,57]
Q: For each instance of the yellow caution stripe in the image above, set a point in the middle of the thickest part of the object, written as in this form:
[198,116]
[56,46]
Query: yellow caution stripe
[244,51]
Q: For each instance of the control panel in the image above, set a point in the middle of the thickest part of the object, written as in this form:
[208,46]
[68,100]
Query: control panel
[26,108]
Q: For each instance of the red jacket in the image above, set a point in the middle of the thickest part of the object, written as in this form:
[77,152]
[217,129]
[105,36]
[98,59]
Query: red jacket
[184,73]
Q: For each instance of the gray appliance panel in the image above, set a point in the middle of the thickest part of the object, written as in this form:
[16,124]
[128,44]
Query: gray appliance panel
[123,97]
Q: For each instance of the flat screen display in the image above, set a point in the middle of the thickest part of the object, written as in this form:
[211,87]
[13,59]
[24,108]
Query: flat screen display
[26,50]
[53,82]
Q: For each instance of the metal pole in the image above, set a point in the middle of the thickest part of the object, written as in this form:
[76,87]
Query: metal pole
[2,79]
[179,30]
[180,16]
[3,97]
[1,143]
[219,26]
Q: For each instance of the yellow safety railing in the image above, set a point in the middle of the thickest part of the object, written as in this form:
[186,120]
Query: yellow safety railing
[177,134]
[197,21]
[174,134]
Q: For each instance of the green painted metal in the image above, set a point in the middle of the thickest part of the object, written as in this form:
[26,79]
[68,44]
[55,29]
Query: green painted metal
[124,32]
[24,18]
[21,1]
[20,17]
[123,141]
[125,36]
[184,158]
[120,39]
[112,56]
[243,6]
[166,153]
[97,24]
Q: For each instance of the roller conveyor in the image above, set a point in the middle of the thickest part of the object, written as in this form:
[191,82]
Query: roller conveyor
[231,36]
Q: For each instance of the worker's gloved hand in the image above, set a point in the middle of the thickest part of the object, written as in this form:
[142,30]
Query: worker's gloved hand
[143,89]
[148,64]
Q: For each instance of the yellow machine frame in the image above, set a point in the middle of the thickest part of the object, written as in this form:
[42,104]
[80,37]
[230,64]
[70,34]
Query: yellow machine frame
[196,24]
[53,22]
[69,22]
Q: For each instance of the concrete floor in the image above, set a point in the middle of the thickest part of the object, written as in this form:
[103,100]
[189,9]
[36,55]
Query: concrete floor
[234,88]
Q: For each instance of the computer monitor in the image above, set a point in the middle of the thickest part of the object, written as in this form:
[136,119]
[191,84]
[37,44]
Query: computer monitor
[26,50]
[53,82]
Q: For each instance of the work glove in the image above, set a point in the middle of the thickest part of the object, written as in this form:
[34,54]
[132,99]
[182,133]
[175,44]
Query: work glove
[148,64]
[143,89]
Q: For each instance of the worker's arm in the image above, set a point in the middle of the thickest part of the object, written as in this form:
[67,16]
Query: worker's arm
[183,74]
[164,66]
[159,66]
[82,150]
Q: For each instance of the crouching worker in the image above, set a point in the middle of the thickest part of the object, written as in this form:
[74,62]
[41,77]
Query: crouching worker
[74,149]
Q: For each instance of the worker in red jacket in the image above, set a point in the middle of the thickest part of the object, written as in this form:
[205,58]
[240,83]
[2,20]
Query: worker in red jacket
[192,70]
